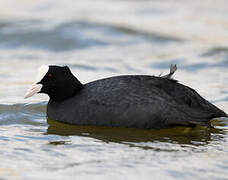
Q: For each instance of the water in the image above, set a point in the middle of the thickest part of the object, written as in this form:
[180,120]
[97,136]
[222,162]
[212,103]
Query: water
[102,38]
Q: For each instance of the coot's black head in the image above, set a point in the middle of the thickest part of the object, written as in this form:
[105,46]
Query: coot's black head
[56,81]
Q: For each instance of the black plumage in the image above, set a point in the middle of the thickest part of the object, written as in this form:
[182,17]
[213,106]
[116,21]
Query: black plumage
[135,101]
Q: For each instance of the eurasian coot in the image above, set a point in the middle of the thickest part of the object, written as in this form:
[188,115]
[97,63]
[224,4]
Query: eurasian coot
[136,101]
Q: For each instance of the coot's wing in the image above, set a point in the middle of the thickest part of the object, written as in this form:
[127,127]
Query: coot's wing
[190,106]
[146,102]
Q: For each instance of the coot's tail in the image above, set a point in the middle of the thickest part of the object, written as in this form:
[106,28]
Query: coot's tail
[199,117]
[188,106]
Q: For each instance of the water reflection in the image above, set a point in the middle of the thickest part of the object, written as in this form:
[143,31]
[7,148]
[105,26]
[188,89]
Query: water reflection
[27,114]
[178,135]
[73,35]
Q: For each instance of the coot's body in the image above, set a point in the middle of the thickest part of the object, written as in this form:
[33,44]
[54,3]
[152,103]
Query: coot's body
[122,101]
[134,101]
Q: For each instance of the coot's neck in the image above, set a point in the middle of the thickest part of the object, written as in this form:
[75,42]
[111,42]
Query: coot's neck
[66,90]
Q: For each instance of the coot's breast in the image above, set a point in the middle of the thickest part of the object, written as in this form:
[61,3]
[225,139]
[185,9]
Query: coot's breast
[132,101]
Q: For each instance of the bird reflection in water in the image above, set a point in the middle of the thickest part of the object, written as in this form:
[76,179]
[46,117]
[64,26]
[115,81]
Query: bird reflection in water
[197,136]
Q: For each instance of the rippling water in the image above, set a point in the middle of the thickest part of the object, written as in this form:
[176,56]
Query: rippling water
[103,38]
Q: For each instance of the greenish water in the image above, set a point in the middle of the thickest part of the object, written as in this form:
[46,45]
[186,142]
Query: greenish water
[102,38]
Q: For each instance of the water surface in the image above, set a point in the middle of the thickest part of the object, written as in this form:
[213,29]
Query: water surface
[102,38]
